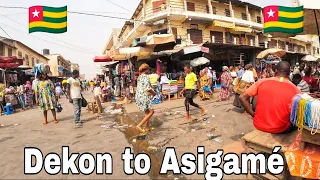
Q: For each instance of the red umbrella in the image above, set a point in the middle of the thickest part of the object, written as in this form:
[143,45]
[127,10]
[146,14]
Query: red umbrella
[4,59]
[9,65]
[103,58]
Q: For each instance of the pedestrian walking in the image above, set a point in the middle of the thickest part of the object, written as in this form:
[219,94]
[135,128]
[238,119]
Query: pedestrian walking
[29,94]
[189,91]
[75,97]
[21,95]
[144,96]
[45,97]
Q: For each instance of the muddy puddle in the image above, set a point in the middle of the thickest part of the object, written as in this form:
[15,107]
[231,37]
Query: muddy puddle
[139,141]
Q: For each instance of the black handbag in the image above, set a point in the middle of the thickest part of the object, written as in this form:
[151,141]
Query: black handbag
[84,101]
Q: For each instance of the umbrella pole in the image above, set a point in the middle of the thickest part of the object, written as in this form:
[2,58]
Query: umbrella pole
[315,16]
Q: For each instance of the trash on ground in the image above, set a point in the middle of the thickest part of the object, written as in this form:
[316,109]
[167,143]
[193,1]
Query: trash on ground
[218,140]
[125,125]
[205,119]
[16,124]
[208,122]
[152,148]
[134,140]
[109,108]
[2,125]
[213,116]
[193,130]
[142,137]
[196,119]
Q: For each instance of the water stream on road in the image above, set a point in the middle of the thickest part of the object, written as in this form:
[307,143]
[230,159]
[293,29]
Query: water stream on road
[140,143]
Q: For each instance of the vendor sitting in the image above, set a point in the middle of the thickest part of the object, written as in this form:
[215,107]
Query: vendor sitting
[106,94]
[10,96]
[273,107]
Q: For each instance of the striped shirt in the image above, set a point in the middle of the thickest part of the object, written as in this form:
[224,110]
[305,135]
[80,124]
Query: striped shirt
[303,86]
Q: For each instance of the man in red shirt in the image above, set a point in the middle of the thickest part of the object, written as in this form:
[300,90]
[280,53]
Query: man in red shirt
[274,96]
[312,82]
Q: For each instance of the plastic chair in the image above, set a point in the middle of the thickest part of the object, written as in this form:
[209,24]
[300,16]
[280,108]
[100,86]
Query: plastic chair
[8,109]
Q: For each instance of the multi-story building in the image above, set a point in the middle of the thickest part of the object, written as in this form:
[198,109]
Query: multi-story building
[231,29]
[75,66]
[9,47]
[59,66]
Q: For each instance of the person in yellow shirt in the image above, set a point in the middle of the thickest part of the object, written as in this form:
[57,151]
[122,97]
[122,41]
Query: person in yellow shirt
[189,90]
[154,77]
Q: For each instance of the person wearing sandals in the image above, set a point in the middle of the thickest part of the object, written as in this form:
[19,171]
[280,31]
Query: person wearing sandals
[46,97]
[144,96]
[74,94]
[189,92]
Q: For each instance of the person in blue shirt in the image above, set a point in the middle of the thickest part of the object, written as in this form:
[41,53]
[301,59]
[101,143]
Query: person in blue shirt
[240,72]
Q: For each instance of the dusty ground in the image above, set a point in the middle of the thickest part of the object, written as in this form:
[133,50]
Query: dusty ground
[25,129]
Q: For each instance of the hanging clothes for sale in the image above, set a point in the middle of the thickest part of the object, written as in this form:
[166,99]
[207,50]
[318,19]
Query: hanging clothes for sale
[158,67]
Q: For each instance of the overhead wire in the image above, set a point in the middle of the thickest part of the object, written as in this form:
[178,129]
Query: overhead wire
[118,5]
[75,12]
[47,40]
[34,58]
[48,35]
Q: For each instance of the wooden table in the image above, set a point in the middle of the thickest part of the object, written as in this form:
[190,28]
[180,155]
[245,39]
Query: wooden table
[262,142]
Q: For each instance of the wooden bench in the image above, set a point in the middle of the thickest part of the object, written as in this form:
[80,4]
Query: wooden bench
[262,142]
[307,137]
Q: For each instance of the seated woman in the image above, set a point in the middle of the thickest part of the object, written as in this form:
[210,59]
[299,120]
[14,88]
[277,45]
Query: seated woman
[10,96]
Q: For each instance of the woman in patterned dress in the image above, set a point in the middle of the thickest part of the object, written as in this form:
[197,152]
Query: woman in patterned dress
[45,97]
[144,96]
[225,82]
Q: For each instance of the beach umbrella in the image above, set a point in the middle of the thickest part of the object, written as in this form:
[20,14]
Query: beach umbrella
[309,58]
[199,61]
[274,51]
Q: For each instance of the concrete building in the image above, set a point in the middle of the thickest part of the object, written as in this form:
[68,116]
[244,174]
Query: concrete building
[9,47]
[75,66]
[59,66]
[231,29]
[113,41]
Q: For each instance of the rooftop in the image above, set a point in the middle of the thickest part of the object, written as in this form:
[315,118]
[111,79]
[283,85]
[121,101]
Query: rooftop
[10,42]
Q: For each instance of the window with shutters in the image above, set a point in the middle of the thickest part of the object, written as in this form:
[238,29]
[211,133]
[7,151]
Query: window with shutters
[195,36]
[227,12]
[214,10]
[191,6]
[259,19]
[158,5]
[9,52]
[37,61]
[19,54]
[32,62]
[26,58]
[244,16]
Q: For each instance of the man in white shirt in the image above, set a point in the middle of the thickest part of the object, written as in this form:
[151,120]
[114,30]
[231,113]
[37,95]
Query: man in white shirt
[74,94]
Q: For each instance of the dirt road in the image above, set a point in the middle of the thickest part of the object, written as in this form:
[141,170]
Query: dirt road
[25,129]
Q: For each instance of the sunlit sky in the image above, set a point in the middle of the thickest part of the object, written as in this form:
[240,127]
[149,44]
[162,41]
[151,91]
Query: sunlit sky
[86,36]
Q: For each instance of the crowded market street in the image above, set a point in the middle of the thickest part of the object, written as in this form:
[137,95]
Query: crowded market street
[25,129]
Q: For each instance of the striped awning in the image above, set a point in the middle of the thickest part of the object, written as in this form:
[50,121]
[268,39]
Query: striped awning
[223,24]
[243,29]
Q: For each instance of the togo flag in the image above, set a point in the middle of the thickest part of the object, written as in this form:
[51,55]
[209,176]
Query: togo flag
[48,19]
[283,19]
